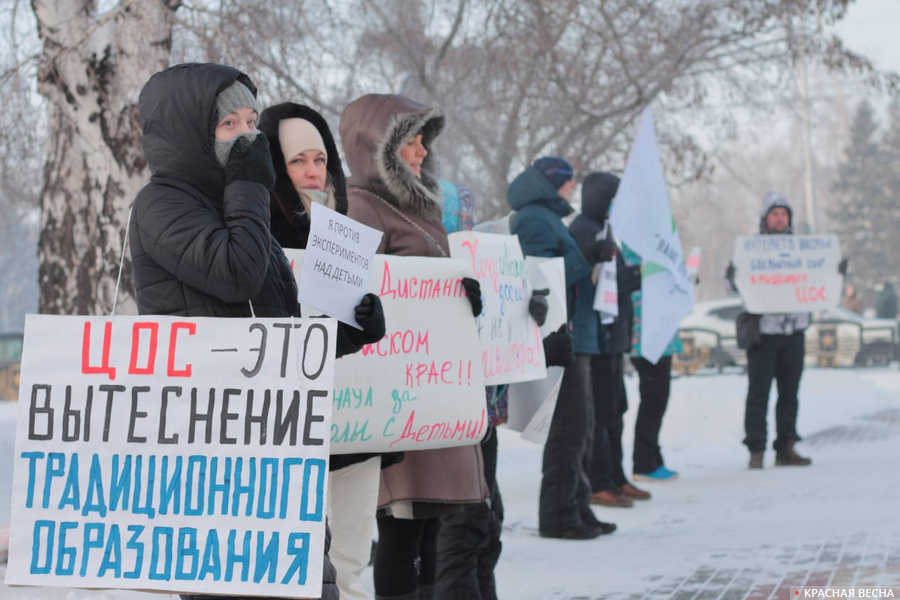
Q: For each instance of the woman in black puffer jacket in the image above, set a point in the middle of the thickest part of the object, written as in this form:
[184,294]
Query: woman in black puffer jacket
[200,239]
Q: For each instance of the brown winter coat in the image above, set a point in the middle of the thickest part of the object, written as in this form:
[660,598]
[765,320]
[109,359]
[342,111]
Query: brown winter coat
[373,129]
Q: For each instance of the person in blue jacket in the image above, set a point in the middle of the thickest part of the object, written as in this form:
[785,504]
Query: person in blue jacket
[540,198]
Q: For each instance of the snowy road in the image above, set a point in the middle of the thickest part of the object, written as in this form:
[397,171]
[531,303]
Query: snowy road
[720,531]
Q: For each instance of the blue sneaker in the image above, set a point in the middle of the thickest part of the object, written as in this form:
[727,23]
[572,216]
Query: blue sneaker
[660,474]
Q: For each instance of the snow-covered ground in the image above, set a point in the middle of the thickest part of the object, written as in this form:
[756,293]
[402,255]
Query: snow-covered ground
[716,516]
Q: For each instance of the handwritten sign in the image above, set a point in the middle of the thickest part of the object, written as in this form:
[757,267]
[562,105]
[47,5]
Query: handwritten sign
[531,403]
[336,275]
[420,386]
[788,273]
[171,453]
[606,296]
[510,338]
[550,274]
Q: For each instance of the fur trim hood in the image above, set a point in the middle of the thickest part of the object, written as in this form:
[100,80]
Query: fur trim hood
[373,129]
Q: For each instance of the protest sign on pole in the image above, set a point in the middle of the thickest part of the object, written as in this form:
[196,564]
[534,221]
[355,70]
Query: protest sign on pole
[336,275]
[642,218]
[788,273]
[173,453]
[511,340]
[420,387]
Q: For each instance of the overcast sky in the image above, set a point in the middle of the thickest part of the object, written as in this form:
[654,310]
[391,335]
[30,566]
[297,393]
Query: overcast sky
[871,28]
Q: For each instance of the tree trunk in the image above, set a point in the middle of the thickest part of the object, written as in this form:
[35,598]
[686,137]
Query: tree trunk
[92,69]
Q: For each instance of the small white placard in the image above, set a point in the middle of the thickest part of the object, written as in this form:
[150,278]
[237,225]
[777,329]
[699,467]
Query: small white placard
[335,273]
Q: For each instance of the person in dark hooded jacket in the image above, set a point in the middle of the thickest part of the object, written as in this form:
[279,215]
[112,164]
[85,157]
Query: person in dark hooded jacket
[308,169]
[540,198]
[393,187]
[609,485]
[199,233]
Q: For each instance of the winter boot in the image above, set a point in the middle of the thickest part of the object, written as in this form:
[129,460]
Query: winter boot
[588,517]
[787,457]
[756,460]
[611,498]
[635,493]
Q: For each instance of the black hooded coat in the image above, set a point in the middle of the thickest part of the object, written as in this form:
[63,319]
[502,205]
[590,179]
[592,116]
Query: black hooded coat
[199,247]
[290,223]
[597,193]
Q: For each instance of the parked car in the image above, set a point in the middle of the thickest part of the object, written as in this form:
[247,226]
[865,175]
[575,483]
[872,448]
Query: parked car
[835,338]
[10,355]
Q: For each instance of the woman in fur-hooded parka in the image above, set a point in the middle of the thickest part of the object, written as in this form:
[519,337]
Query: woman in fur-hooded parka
[385,193]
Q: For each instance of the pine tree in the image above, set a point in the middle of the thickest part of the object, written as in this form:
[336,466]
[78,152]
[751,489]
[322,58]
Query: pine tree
[866,216]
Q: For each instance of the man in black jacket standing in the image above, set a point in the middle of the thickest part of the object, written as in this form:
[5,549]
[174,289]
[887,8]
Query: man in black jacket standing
[778,355]
[609,486]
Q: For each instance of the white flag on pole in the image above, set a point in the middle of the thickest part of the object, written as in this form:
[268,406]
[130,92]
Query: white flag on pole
[641,217]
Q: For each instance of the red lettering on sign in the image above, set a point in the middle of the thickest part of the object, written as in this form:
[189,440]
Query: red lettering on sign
[153,328]
[104,368]
[191,328]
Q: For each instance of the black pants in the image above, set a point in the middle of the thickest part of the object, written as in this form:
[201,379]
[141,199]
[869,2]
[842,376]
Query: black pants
[565,487]
[469,541]
[778,357]
[654,387]
[405,556]
[610,404]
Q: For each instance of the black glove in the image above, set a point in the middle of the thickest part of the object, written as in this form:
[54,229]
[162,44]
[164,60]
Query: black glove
[538,306]
[730,272]
[370,316]
[473,293]
[558,348]
[842,266]
[601,251]
[251,161]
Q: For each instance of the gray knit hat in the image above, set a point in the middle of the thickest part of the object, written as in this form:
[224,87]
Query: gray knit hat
[235,96]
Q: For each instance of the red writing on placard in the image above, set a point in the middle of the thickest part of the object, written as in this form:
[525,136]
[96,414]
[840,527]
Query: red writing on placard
[778,279]
[434,372]
[510,358]
[149,367]
[86,367]
[413,288]
[400,342]
[485,268]
[153,328]
[810,295]
[461,429]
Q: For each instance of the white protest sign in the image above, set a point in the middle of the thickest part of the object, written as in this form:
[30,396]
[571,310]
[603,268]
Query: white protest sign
[641,217]
[336,275]
[788,273]
[531,403]
[173,453]
[420,387]
[550,274]
[693,261]
[510,338]
[606,296]
[538,428]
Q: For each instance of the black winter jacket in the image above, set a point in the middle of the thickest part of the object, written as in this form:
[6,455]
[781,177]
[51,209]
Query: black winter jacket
[199,247]
[290,222]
